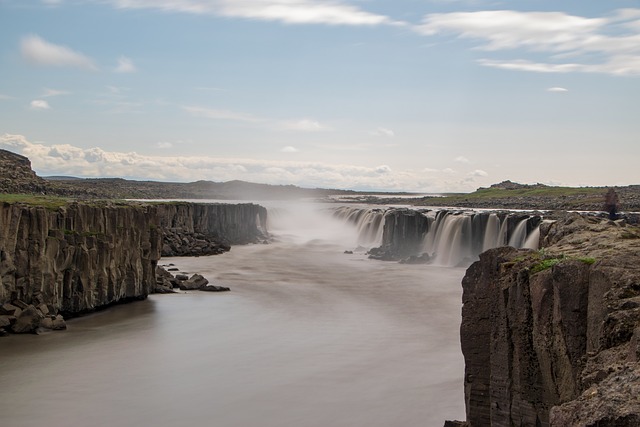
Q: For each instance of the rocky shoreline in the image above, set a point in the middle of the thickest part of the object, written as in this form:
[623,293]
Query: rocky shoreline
[66,260]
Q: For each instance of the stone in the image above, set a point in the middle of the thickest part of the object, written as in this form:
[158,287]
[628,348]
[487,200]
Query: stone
[58,323]
[8,309]
[416,259]
[214,288]
[20,304]
[28,321]
[195,282]
[6,320]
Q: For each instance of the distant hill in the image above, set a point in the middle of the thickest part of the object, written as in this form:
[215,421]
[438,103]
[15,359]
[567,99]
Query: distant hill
[16,176]
[232,190]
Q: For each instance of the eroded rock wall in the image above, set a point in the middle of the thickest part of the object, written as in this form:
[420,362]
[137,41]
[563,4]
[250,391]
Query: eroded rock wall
[206,229]
[550,338]
[77,257]
[82,256]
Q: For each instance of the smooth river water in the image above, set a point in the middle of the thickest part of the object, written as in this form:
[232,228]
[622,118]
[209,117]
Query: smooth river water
[308,337]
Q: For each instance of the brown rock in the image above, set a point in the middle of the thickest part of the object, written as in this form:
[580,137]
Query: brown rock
[28,321]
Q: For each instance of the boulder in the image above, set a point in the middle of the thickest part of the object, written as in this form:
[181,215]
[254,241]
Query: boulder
[28,321]
[214,288]
[8,309]
[195,282]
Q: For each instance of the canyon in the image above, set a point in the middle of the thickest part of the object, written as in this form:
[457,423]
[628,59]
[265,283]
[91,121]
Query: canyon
[550,329]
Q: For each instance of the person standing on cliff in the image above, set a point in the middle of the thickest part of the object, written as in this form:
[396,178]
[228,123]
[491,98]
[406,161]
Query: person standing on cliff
[611,204]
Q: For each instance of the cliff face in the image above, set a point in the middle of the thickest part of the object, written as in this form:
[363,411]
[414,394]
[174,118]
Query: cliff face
[205,229]
[79,257]
[551,338]
[402,235]
[16,175]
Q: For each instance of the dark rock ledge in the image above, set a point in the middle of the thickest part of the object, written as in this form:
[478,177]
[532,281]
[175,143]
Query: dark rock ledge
[552,337]
[60,260]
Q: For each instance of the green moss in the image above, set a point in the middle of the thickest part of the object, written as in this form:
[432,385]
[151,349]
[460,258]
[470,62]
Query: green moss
[550,262]
[544,265]
[48,202]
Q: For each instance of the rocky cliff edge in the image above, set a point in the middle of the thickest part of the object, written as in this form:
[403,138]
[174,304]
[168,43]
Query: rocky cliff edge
[70,258]
[552,337]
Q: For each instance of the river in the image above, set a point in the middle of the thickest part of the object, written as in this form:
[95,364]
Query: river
[309,336]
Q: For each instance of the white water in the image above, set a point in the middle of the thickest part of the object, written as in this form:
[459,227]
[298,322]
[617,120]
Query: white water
[452,238]
[309,336]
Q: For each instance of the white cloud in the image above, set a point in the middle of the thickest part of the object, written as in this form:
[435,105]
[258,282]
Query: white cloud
[4,97]
[66,159]
[383,169]
[614,39]
[39,104]
[164,145]
[287,11]
[304,125]
[380,131]
[289,149]
[125,65]
[216,114]
[557,89]
[478,173]
[461,159]
[41,52]
[54,92]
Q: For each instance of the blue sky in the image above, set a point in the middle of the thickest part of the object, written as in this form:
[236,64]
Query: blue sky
[428,96]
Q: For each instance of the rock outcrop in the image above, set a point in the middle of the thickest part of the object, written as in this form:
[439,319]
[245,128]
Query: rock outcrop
[402,236]
[73,258]
[209,229]
[16,175]
[551,337]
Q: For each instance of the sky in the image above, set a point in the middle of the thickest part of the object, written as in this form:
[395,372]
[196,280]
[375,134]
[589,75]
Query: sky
[396,95]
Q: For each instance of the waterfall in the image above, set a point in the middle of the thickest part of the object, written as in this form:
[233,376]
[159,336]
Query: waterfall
[452,239]
[369,223]
[449,238]
[519,235]
[492,233]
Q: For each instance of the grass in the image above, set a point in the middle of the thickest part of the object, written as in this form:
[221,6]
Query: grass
[49,202]
[585,194]
[547,263]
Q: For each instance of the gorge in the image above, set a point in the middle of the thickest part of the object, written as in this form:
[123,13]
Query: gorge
[321,328]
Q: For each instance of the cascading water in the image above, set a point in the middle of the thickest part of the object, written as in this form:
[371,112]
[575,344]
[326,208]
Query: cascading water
[451,237]
[519,235]
[492,235]
[369,223]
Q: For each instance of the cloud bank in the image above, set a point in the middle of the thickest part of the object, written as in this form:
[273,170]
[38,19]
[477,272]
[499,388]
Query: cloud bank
[285,11]
[609,44]
[65,159]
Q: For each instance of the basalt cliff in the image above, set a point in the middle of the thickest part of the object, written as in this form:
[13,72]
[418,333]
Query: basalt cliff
[552,337]
[70,258]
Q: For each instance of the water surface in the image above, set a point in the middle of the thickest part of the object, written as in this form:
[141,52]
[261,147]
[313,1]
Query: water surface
[308,337]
